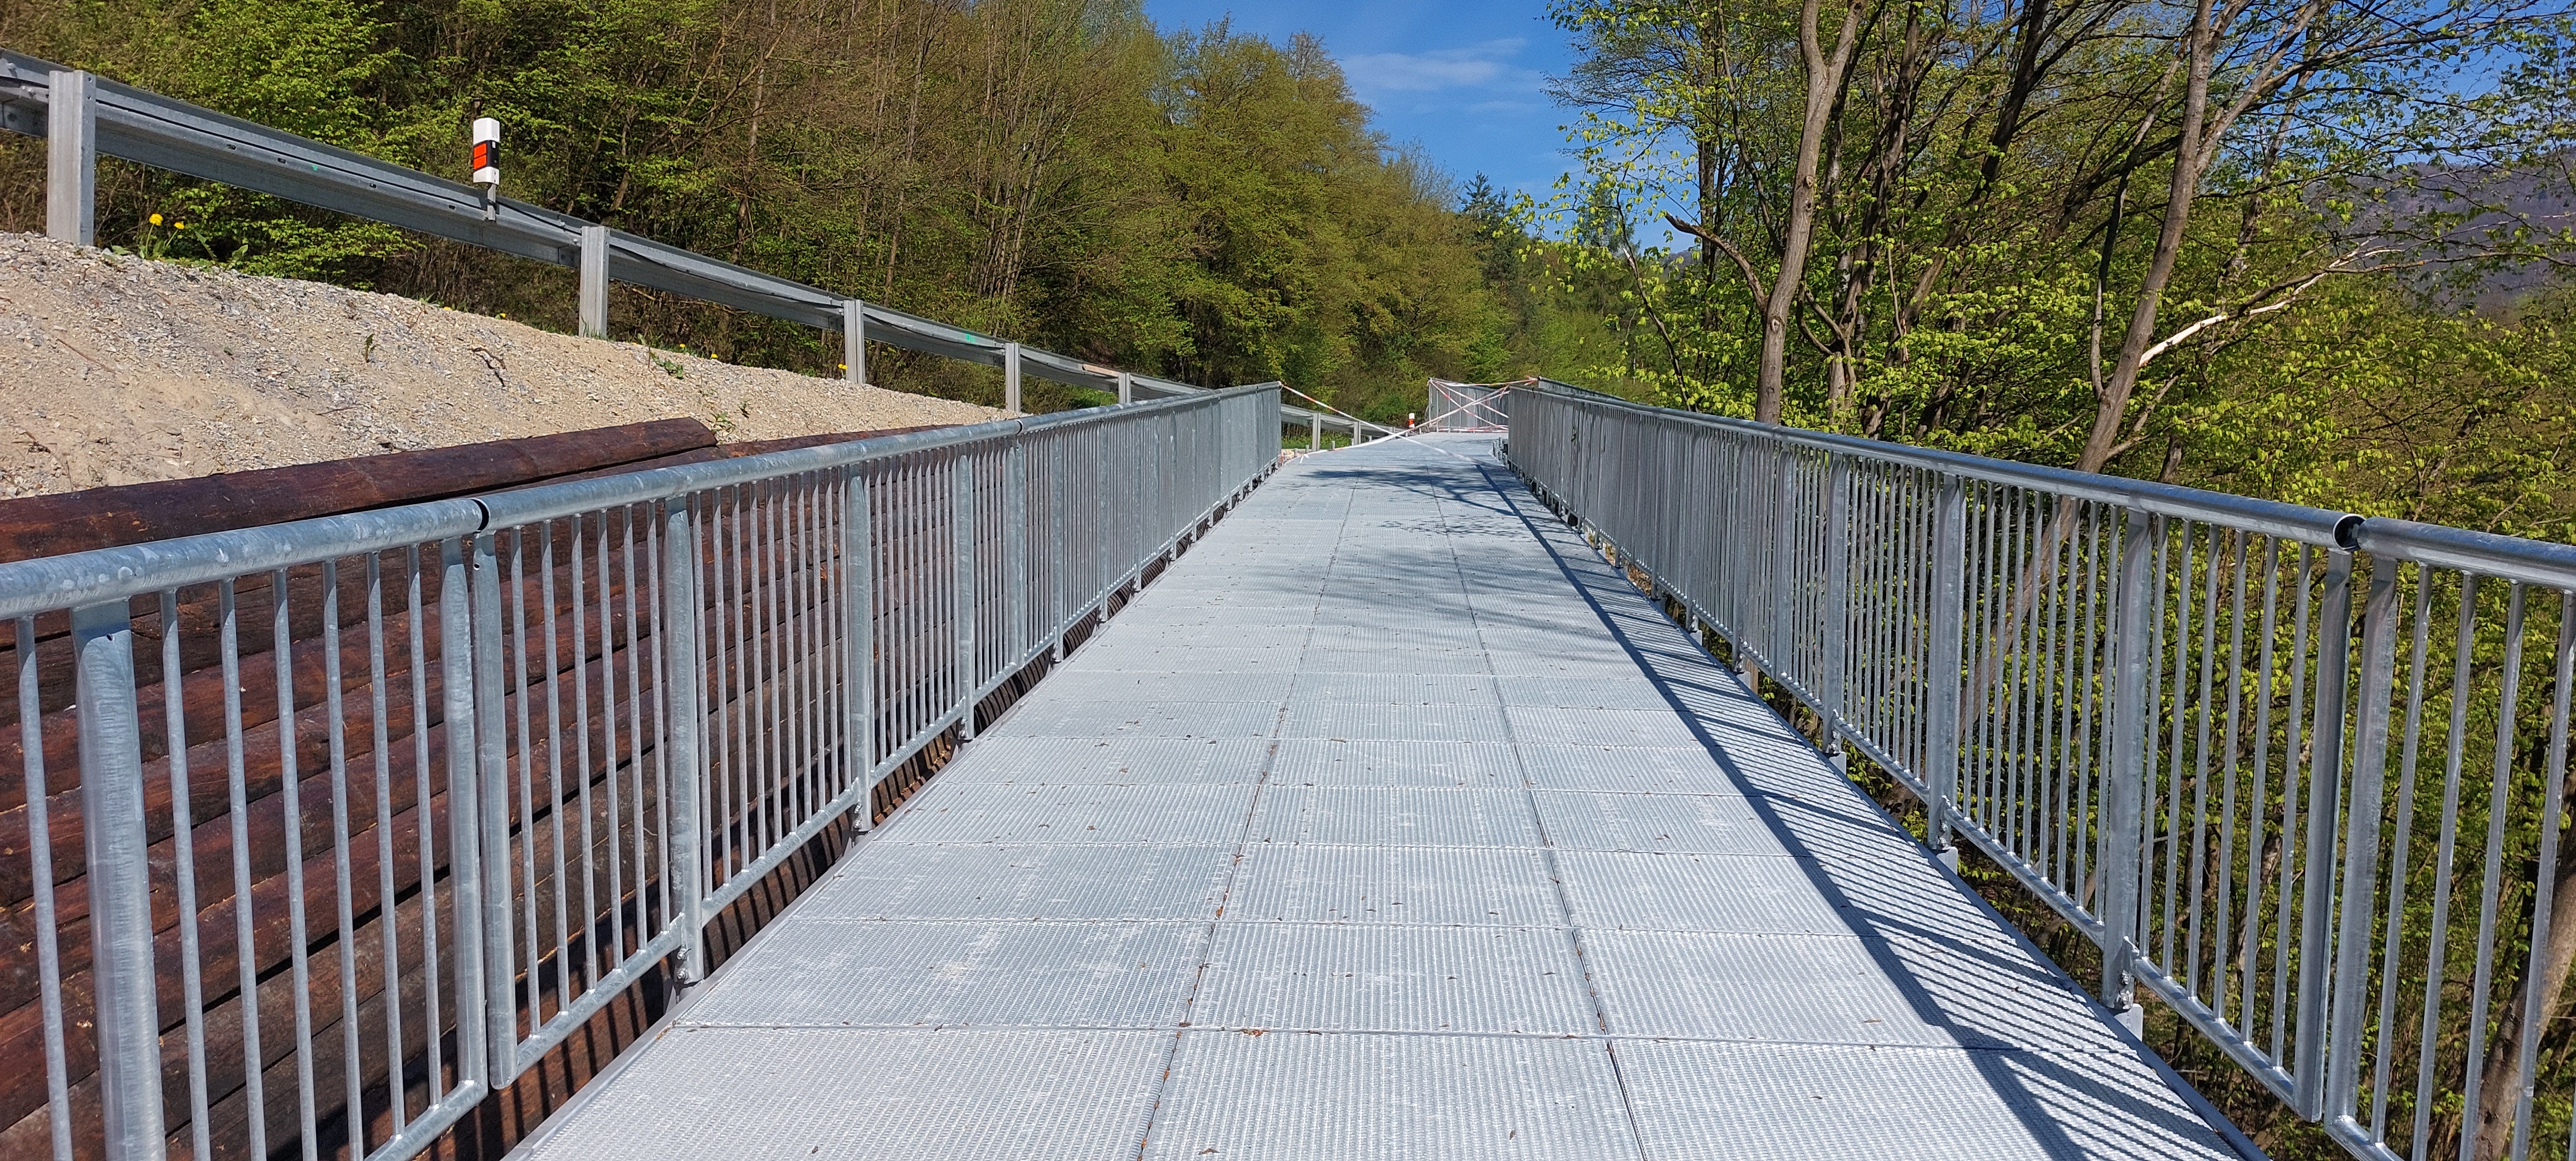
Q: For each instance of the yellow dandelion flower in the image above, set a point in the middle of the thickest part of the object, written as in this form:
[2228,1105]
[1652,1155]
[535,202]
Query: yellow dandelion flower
[156,219]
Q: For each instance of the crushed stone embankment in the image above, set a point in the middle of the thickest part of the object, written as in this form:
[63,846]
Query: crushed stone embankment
[118,370]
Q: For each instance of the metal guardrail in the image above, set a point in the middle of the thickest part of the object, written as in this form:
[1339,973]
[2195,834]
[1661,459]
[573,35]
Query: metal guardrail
[2146,703]
[503,757]
[1468,406]
[126,122]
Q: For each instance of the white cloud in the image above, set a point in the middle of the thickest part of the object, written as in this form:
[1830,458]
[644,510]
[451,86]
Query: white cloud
[1472,67]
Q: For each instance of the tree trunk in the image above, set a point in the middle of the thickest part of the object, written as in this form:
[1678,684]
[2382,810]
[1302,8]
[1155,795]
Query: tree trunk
[1825,77]
[2189,156]
[2500,1081]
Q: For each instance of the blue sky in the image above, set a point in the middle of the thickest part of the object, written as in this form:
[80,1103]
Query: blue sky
[1464,79]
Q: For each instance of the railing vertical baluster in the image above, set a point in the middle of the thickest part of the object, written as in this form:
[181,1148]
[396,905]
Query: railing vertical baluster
[1941,666]
[118,842]
[2120,856]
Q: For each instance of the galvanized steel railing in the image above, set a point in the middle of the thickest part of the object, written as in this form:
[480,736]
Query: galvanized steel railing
[2327,838]
[504,757]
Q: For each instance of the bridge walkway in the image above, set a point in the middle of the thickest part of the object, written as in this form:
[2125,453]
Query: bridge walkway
[1391,822]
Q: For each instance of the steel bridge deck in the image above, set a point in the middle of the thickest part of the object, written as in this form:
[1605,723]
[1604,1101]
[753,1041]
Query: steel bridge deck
[1391,822]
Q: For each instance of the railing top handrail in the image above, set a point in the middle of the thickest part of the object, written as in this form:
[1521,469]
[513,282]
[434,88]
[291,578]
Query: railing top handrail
[2512,558]
[2271,517]
[30,587]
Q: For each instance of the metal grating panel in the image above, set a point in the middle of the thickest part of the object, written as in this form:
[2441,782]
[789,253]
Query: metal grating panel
[1796,1103]
[974,813]
[961,975]
[1309,883]
[1817,989]
[766,1094]
[1757,895]
[1395,816]
[906,881]
[1376,978]
[1292,1097]
[1141,719]
[1551,726]
[1122,761]
[1325,762]
[1418,723]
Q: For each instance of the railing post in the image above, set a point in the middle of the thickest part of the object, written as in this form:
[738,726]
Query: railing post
[854,340]
[1011,378]
[962,484]
[464,816]
[120,881]
[2123,786]
[492,780]
[1836,599]
[2360,904]
[684,684]
[1784,558]
[71,157]
[859,587]
[1941,668]
[594,282]
[2325,791]
[1016,581]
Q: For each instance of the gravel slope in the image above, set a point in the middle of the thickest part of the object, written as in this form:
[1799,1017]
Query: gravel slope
[117,370]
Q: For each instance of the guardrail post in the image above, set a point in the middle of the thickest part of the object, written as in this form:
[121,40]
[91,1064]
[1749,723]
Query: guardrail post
[1314,431]
[464,817]
[1837,599]
[1126,387]
[1941,689]
[2325,790]
[71,158]
[594,282]
[684,684]
[962,485]
[2360,903]
[854,340]
[1011,377]
[492,780]
[2123,786]
[120,881]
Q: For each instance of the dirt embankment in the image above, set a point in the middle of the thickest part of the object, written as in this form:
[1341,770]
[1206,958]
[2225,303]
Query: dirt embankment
[116,370]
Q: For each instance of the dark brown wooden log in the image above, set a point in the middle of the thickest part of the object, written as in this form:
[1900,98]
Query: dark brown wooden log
[139,513]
